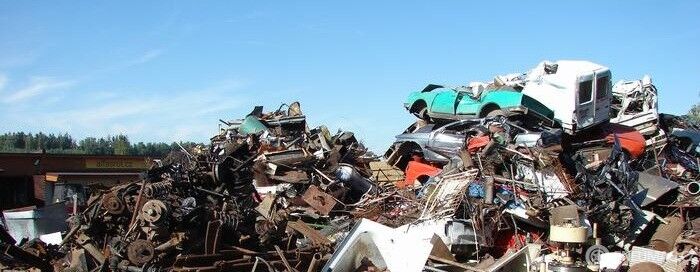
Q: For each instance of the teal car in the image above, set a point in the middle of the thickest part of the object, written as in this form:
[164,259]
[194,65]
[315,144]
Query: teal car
[443,103]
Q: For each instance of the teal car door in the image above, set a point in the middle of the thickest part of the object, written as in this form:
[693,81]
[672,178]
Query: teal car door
[444,101]
[467,105]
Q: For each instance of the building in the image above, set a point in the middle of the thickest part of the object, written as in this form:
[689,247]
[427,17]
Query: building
[38,178]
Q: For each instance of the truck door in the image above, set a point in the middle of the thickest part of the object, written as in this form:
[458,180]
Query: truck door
[603,95]
[585,106]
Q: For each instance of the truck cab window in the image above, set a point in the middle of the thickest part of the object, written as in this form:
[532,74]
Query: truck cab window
[601,87]
[585,89]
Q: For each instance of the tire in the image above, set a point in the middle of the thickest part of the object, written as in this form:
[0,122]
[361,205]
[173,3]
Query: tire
[422,114]
[496,113]
[593,253]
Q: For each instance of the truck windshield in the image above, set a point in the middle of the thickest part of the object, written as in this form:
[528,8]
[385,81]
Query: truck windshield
[585,89]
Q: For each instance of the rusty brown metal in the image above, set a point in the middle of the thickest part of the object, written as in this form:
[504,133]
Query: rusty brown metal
[284,259]
[316,237]
[666,234]
[140,252]
[112,203]
[24,256]
[86,243]
[137,207]
[294,176]
[313,264]
[319,200]
[646,267]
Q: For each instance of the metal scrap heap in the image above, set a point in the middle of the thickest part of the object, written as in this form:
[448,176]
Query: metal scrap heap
[248,200]
[510,188]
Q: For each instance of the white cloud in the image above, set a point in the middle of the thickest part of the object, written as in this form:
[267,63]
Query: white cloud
[189,115]
[146,57]
[37,86]
[126,63]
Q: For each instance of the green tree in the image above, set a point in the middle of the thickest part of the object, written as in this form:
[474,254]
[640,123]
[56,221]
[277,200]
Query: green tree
[19,139]
[89,145]
[121,145]
[66,144]
[694,114]
[7,142]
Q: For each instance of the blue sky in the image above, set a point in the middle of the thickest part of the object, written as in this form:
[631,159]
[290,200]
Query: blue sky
[164,71]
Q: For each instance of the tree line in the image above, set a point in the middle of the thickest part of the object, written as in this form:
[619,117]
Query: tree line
[694,114]
[20,142]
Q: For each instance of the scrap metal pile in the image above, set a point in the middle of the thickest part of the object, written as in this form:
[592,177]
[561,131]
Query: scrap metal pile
[248,201]
[500,186]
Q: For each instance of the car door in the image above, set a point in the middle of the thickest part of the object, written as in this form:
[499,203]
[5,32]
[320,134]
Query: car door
[467,104]
[444,102]
[447,139]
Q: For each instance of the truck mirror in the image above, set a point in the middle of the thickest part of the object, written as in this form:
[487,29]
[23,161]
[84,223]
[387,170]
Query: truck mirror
[551,68]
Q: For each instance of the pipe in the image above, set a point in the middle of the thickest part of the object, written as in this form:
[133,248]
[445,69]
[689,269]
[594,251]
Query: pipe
[137,208]
[70,234]
[693,188]
[666,234]
[75,204]
[284,260]
[129,268]
[314,262]
[488,190]
[455,264]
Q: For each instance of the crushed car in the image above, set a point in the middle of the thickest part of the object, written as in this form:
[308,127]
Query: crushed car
[437,143]
[635,104]
[455,103]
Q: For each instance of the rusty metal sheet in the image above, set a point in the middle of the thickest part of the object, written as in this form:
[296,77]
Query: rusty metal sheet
[292,177]
[265,207]
[313,235]
[384,172]
[319,200]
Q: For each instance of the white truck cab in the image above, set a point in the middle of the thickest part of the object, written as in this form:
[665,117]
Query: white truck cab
[579,92]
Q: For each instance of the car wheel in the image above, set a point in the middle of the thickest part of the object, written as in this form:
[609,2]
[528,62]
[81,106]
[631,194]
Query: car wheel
[496,113]
[422,114]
